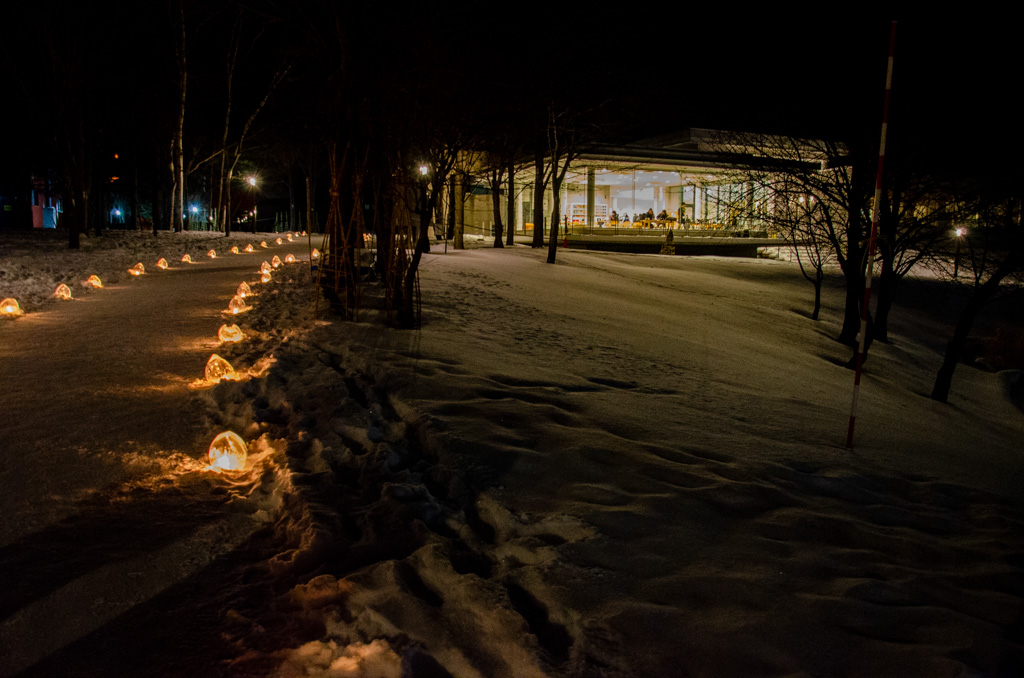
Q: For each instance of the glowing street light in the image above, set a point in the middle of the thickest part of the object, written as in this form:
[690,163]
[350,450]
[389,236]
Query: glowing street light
[251,180]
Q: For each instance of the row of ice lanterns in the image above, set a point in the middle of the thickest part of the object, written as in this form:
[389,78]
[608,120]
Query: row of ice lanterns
[228,451]
[10,308]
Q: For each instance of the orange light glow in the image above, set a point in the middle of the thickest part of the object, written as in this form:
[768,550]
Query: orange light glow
[276,261]
[212,254]
[265,267]
[289,237]
[94,280]
[303,234]
[290,259]
[263,244]
[161,263]
[244,290]
[315,254]
[228,333]
[248,248]
[9,308]
[237,305]
[62,292]
[234,250]
[137,269]
[279,242]
[266,277]
[186,259]
[217,369]
[228,452]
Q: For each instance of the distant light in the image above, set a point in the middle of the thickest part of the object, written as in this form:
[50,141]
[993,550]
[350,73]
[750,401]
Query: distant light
[116,156]
[424,170]
[117,212]
[194,209]
[959,232]
[251,181]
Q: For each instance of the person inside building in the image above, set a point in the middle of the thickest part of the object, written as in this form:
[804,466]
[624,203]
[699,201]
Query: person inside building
[662,215]
[650,214]
[615,218]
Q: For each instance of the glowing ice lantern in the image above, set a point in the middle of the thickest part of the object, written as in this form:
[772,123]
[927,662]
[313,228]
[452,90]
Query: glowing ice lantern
[9,308]
[279,242]
[186,259]
[248,248]
[228,452]
[266,277]
[263,244]
[212,254]
[228,333]
[276,261]
[289,237]
[315,253]
[303,234]
[94,280]
[265,267]
[244,290]
[137,269]
[290,259]
[62,292]
[237,305]
[234,250]
[217,368]
[161,263]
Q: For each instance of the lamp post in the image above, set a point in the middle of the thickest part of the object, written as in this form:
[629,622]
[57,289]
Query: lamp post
[251,180]
[956,253]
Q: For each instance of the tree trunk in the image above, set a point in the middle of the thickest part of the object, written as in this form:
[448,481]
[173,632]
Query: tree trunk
[510,207]
[854,298]
[496,204]
[460,213]
[556,187]
[887,280]
[538,200]
[309,203]
[818,279]
[955,347]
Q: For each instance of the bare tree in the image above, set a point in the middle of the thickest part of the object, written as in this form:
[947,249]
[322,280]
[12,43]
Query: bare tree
[993,254]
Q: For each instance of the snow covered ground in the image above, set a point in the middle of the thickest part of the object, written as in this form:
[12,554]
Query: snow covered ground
[620,465]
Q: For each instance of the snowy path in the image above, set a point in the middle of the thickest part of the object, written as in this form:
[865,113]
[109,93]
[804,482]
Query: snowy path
[118,409]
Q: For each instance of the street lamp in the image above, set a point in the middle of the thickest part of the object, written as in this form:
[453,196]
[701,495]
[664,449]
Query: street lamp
[251,180]
[956,255]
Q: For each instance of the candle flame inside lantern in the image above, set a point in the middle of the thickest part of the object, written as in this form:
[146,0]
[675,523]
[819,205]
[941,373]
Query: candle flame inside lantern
[276,261]
[237,305]
[265,267]
[266,277]
[217,368]
[248,248]
[212,254]
[228,452]
[263,244]
[137,269]
[9,307]
[161,263]
[278,242]
[290,259]
[290,237]
[234,250]
[186,259]
[244,290]
[62,292]
[315,254]
[228,333]
[94,280]
[303,234]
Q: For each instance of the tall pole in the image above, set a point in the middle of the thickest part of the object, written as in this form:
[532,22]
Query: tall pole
[871,246]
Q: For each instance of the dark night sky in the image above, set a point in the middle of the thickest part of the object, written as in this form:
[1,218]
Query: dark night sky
[670,66]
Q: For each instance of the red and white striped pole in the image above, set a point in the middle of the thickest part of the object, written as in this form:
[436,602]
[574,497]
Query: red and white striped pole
[871,246]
